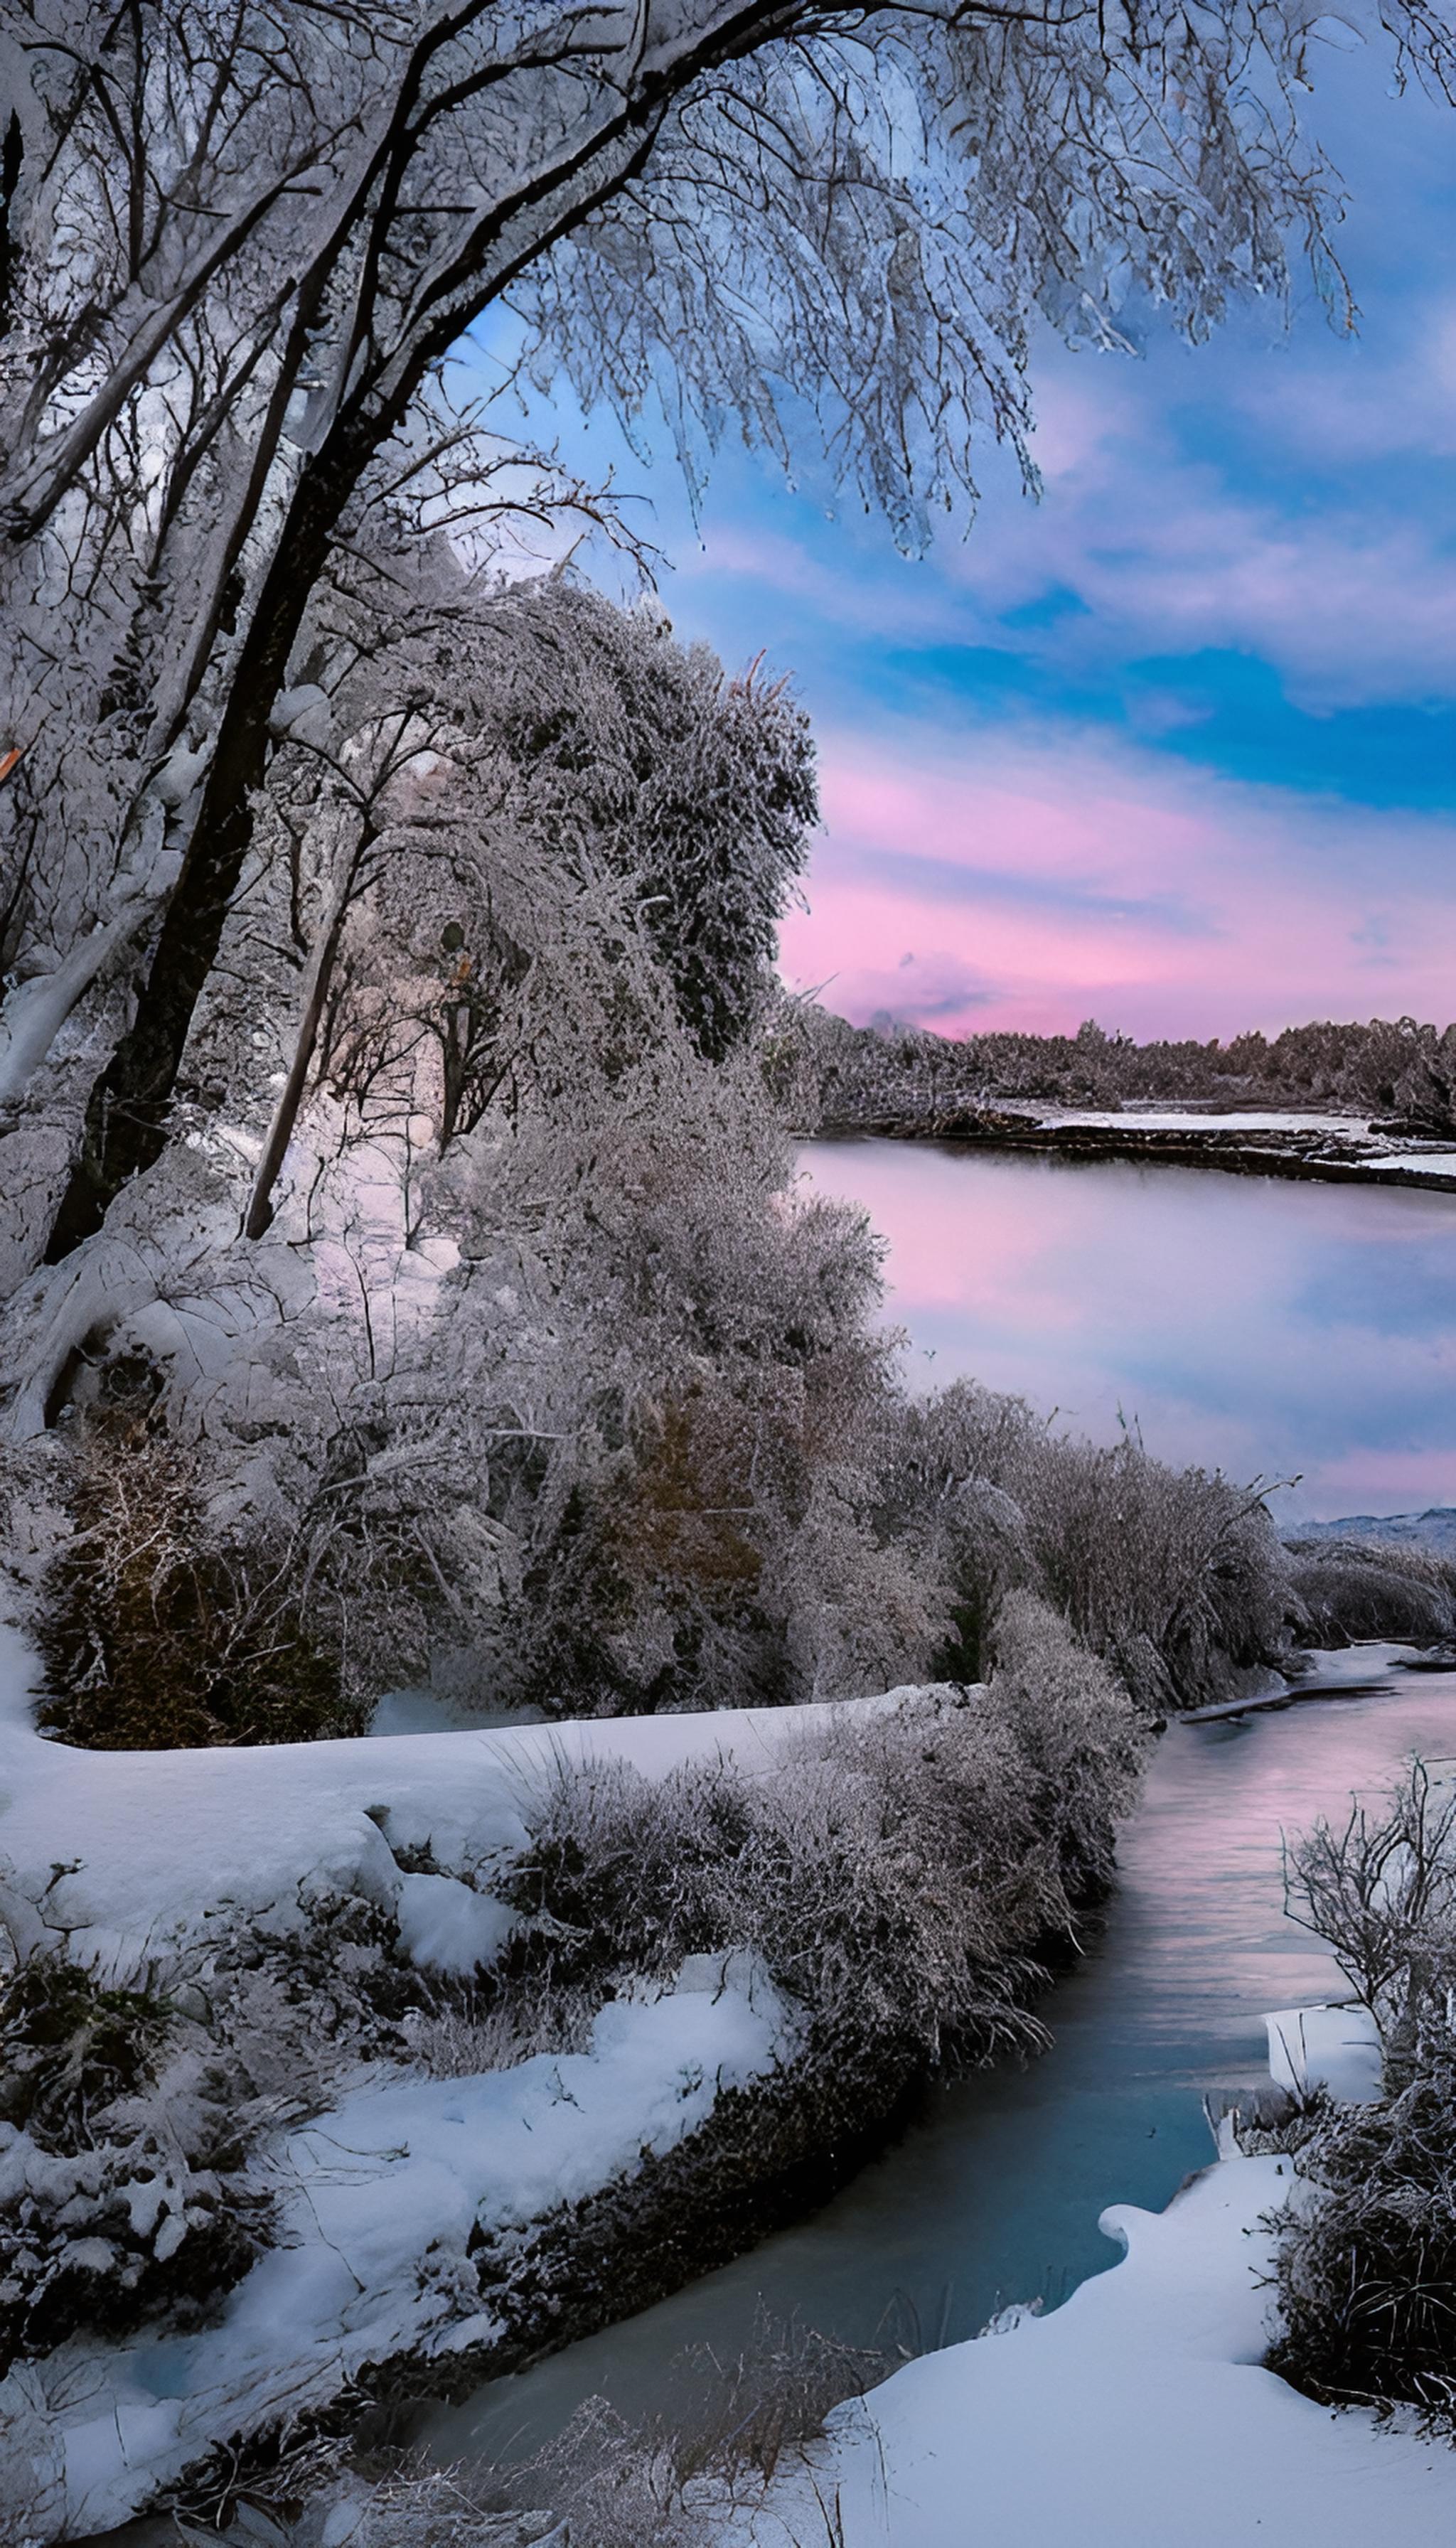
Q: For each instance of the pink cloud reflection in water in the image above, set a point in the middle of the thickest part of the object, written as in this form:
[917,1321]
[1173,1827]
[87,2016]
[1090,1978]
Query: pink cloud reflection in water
[1257,1325]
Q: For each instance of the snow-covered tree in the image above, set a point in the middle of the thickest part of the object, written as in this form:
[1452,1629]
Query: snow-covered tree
[240,238]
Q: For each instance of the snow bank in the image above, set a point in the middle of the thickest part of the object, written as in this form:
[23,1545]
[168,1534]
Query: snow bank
[1335,2048]
[123,1854]
[1430,1163]
[384,2198]
[1171,1118]
[1136,2416]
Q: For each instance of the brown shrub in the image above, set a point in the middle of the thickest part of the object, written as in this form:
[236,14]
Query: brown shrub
[155,1634]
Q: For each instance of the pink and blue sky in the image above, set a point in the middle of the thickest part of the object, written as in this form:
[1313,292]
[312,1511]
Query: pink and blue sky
[1174,747]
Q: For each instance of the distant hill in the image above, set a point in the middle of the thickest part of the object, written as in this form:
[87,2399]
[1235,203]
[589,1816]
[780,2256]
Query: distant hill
[1435,1529]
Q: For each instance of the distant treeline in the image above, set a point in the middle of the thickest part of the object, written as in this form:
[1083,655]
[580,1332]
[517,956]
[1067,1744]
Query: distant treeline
[1399,1070]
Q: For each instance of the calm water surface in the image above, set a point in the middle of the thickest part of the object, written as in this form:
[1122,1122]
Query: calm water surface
[1259,1325]
[1249,1324]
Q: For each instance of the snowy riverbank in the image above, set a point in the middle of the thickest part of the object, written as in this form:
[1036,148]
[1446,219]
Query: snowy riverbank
[1339,1150]
[1137,2415]
[377,2191]
[121,1855]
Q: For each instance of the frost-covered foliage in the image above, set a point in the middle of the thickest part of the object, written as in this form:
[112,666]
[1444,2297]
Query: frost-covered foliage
[1366,2255]
[1175,1577]
[128,2115]
[239,250]
[898,1879]
[157,1635]
[907,1077]
[698,792]
[1367,2264]
[471,1012]
[1354,1587]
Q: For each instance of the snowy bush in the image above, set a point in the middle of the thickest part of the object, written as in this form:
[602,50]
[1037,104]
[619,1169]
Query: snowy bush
[1176,1578]
[120,2191]
[1366,2263]
[155,1632]
[1079,1736]
[132,2113]
[899,1881]
[1355,1589]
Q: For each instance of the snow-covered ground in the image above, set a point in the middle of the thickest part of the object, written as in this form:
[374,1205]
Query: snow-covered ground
[1336,2046]
[129,1859]
[124,1855]
[1173,1119]
[1429,1164]
[1137,2415]
[381,2196]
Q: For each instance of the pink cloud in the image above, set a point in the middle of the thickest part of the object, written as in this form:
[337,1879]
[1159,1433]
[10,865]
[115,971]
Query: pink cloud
[1037,880]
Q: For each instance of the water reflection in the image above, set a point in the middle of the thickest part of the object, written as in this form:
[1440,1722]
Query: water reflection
[996,2194]
[1258,1325]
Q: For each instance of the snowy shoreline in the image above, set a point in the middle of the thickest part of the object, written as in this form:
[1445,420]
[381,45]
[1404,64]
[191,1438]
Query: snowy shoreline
[1332,1149]
[389,2197]
[1136,2415]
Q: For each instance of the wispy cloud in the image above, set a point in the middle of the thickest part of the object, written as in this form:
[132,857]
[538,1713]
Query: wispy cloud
[1036,880]
[1177,746]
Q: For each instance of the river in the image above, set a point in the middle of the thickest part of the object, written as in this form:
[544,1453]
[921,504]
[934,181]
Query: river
[1247,1324]
[1184,1297]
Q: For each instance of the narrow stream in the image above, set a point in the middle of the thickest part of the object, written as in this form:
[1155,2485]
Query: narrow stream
[995,2195]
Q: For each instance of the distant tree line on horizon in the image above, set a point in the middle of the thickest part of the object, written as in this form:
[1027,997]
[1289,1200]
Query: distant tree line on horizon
[1396,1069]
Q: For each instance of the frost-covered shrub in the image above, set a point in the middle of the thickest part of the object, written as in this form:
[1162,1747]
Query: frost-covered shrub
[899,1878]
[1174,1576]
[1080,1737]
[120,2196]
[1354,1589]
[131,2114]
[72,2047]
[156,1631]
[1366,2263]
[1366,2260]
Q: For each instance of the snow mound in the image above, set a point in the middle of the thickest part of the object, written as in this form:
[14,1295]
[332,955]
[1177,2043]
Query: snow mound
[386,2198]
[121,1855]
[1137,2415]
[1334,2048]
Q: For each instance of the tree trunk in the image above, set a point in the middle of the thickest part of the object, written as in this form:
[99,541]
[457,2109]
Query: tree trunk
[125,1126]
[259,1215]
